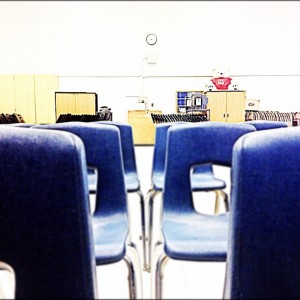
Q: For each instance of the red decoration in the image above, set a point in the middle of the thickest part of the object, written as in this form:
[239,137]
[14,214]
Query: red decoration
[221,83]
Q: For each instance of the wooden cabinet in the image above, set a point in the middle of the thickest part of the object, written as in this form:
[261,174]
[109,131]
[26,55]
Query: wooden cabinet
[45,88]
[31,96]
[143,129]
[7,94]
[25,97]
[227,106]
[75,103]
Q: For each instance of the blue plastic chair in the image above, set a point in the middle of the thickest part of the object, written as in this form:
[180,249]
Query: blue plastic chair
[203,180]
[264,124]
[110,219]
[187,234]
[264,224]
[132,181]
[46,226]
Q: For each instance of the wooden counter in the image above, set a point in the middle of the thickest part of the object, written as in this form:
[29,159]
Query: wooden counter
[143,128]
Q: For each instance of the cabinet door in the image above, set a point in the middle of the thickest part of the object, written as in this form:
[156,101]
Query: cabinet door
[25,97]
[7,94]
[45,87]
[217,105]
[236,106]
[65,104]
[85,103]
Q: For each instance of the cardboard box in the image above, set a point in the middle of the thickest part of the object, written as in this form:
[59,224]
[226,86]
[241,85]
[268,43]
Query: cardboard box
[252,104]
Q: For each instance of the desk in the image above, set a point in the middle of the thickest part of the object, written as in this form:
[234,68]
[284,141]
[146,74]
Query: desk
[143,128]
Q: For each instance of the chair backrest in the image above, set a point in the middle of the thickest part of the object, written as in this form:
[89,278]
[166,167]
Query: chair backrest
[264,227]
[103,152]
[195,144]
[264,124]
[45,223]
[127,144]
[160,146]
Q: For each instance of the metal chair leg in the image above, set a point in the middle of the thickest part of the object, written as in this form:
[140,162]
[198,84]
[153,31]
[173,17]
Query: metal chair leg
[134,272]
[217,203]
[146,248]
[152,195]
[226,202]
[143,223]
[158,274]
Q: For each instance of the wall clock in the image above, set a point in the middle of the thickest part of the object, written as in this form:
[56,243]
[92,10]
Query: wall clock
[151,39]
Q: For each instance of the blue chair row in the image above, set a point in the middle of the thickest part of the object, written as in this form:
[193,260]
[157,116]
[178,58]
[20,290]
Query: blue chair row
[187,234]
[85,134]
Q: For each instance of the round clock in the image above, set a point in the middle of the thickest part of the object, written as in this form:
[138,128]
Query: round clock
[151,39]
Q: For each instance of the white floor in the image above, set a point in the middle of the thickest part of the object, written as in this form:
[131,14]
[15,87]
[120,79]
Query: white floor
[182,280]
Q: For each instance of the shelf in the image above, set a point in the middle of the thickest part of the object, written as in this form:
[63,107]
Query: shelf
[190,101]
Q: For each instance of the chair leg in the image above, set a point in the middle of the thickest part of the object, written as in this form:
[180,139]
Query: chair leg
[134,272]
[158,274]
[226,202]
[143,223]
[217,203]
[152,195]
[146,248]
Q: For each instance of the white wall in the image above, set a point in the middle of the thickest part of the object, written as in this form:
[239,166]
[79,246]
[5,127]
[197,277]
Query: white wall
[100,46]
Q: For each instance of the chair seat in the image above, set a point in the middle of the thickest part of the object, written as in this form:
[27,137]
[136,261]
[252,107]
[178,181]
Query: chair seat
[206,182]
[200,182]
[109,233]
[132,182]
[196,237]
[158,181]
